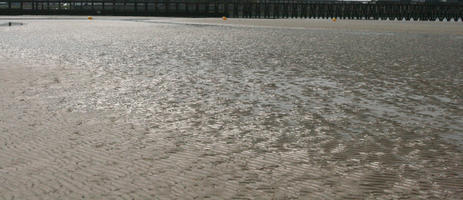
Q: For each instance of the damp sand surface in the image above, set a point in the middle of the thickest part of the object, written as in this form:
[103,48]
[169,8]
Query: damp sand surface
[170,108]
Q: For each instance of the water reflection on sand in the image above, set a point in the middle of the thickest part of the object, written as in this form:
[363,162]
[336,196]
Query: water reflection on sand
[145,109]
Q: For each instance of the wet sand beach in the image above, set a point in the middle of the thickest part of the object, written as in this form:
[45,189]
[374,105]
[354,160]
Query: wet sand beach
[172,108]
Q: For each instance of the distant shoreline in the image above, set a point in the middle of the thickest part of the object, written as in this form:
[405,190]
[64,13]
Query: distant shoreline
[427,27]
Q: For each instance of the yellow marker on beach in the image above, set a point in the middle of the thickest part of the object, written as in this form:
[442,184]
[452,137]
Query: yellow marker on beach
[224,18]
[334,19]
[90,17]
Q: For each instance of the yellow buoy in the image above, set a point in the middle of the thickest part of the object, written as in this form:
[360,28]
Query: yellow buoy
[90,17]
[224,18]
[334,19]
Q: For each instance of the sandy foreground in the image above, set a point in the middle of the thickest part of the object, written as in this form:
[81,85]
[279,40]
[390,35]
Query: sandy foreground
[85,116]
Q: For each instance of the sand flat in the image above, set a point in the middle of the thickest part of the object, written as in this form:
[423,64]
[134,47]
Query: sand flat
[340,24]
[168,108]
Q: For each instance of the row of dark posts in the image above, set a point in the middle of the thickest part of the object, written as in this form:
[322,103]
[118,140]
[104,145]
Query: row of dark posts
[239,9]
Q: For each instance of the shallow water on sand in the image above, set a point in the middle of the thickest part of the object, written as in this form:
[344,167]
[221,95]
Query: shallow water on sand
[195,111]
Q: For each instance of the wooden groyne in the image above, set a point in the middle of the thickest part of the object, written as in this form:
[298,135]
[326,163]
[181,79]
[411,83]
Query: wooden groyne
[240,9]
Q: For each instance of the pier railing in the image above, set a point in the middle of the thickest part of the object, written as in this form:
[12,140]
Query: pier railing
[240,9]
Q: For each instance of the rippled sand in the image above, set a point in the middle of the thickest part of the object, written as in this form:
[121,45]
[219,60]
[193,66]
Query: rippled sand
[164,108]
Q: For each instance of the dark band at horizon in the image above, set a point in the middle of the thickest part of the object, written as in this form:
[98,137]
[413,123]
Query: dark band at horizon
[423,11]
